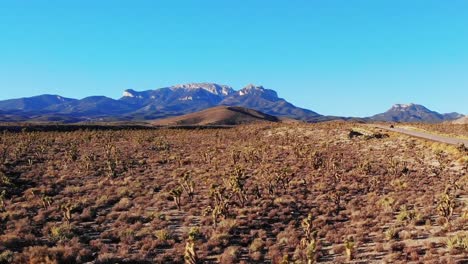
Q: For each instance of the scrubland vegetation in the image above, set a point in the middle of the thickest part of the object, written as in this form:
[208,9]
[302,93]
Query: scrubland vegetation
[282,193]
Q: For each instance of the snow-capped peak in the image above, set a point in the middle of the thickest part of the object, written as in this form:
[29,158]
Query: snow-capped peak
[402,105]
[129,93]
[222,90]
[253,86]
[250,89]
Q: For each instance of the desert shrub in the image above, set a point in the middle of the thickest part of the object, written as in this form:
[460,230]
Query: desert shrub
[46,255]
[6,257]
[458,241]
[230,255]
[123,204]
[387,203]
[391,233]
[163,234]
[61,232]
[407,216]
[256,245]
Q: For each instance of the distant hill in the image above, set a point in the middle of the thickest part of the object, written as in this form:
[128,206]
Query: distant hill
[413,113]
[461,121]
[220,115]
[35,103]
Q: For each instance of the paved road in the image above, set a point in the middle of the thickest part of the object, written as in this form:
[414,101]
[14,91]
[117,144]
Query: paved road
[433,137]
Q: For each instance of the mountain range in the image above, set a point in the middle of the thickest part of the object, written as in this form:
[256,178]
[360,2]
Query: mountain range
[152,104]
[184,99]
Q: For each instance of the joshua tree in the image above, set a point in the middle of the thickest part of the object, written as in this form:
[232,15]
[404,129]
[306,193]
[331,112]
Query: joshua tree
[221,209]
[72,152]
[308,228]
[446,206]
[111,166]
[336,199]
[236,184]
[188,185]
[66,210]
[176,193]
[112,160]
[88,161]
[4,153]
[235,156]
[4,180]
[309,241]
[285,259]
[284,177]
[190,254]
[317,160]
[393,166]
[311,251]
[350,248]
[221,203]
[2,200]
[46,201]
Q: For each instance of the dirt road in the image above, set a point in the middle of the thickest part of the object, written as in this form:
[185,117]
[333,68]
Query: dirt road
[433,137]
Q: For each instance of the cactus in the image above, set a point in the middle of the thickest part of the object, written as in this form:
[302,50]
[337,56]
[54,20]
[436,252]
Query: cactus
[2,201]
[88,161]
[236,183]
[4,180]
[285,259]
[188,185]
[393,166]
[309,241]
[308,228]
[111,166]
[317,160]
[446,206]
[4,153]
[66,210]
[194,233]
[176,193]
[221,203]
[46,201]
[336,200]
[311,251]
[190,254]
[350,248]
[72,152]
[112,160]
[221,209]
[284,177]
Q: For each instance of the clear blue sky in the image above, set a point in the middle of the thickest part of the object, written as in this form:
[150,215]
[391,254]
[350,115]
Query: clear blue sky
[353,58]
